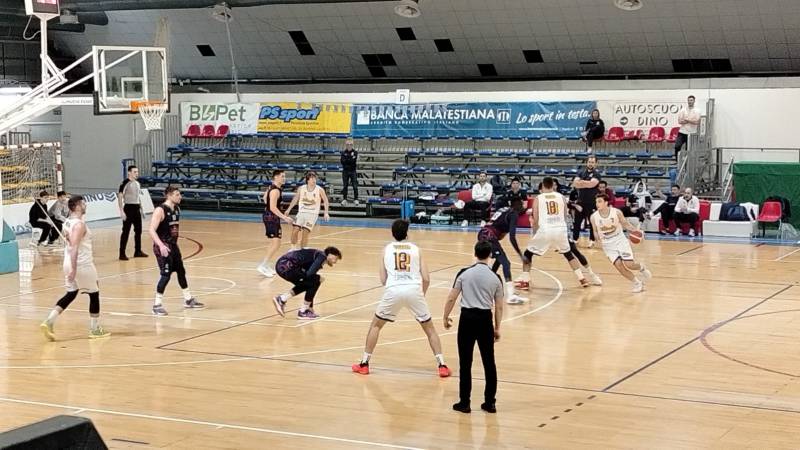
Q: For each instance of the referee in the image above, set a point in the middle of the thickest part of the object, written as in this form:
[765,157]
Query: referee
[480,289]
[130,211]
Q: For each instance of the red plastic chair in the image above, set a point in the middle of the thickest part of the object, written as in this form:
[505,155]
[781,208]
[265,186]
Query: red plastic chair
[524,220]
[705,214]
[193,131]
[208,131]
[655,135]
[222,131]
[615,134]
[770,212]
[633,135]
[673,134]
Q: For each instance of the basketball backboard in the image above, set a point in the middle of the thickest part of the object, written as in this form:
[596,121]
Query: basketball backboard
[125,77]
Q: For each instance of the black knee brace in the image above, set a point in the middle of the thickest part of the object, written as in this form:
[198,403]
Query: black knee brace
[528,255]
[162,283]
[94,303]
[569,256]
[64,301]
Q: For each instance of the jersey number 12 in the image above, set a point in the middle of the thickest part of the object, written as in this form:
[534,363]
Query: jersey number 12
[402,262]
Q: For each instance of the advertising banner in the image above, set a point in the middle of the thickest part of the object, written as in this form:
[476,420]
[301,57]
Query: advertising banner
[646,115]
[473,120]
[304,118]
[98,207]
[241,118]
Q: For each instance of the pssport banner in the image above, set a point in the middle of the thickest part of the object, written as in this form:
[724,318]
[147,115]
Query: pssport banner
[304,118]
[478,120]
[242,118]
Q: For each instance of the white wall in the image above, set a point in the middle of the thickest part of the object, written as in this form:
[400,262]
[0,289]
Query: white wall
[750,112]
[92,148]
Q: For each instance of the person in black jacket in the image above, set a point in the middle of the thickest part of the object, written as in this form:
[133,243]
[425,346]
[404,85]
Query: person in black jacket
[349,175]
[38,218]
[515,193]
[667,209]
[594,129]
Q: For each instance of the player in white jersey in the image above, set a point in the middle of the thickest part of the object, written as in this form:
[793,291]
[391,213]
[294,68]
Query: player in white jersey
[406,280]
[609,223]
[549,218]
[79,272]
[309,198]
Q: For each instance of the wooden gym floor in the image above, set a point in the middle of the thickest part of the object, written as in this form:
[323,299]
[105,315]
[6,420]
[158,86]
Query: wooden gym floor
[707,357]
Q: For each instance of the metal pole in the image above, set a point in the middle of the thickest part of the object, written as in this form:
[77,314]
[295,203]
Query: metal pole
[43,54]
[234,73]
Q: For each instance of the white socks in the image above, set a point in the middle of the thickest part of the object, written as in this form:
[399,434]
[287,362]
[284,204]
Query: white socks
[94,322]
[525,276]
[579,273]
[365,358]
[159,299]
[187,295]
[51,318]
[509,289]
[439,358]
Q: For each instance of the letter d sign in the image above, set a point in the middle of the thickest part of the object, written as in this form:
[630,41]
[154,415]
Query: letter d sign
[402,96]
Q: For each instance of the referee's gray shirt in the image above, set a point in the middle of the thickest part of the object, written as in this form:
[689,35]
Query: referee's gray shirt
[130,192]
[479,286]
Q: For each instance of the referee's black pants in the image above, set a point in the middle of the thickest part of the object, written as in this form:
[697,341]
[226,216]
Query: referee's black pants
[133,218]
[476,325]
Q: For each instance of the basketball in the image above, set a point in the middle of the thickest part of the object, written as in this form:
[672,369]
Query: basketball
[636,236]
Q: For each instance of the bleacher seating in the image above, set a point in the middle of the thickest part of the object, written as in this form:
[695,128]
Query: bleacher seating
[236,168]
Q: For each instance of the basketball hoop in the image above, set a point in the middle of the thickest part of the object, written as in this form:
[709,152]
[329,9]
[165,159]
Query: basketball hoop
[151,113]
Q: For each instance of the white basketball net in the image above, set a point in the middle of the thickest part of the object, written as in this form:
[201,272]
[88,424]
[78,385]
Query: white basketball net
[152,114]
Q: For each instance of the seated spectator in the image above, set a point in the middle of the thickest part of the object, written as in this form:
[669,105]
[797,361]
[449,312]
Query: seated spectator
[38,218]
[687,210]
[594,129]
[638,202]
[602,188]
[481,198]
[59,211]
[516,193]
[498,185]
[667,209]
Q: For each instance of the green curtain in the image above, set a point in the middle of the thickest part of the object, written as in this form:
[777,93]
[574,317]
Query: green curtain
[755,181]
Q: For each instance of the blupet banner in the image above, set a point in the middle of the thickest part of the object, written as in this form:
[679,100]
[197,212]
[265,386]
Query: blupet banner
[304,118]
[476,120]
[241,118]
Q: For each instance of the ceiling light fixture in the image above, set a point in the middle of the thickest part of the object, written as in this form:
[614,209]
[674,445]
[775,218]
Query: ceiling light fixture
[222,13]
[408,9]
[628,5]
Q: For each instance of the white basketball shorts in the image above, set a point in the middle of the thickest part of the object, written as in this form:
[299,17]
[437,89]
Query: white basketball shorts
[547,238]
[396,298]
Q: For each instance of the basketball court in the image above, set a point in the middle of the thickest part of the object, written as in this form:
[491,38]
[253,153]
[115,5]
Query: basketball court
[705,357]
[698,360]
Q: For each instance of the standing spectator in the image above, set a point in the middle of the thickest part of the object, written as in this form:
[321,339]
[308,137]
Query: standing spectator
[586,183]
[667,209]
[688,119]
[602,188]
[516,193]
[481,196]
[130,211]
[38,218]
[480,290]
[349,174]
[59,212]
[594,129]
[687,210]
